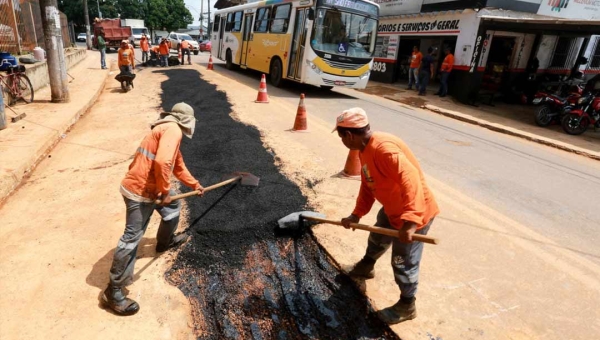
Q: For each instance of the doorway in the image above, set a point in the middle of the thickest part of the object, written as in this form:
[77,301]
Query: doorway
[221,31]
[405,49]
[498,63]
[298,42]
[247,37]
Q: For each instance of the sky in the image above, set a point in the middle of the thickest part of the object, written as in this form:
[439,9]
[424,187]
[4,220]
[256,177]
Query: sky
[194,8]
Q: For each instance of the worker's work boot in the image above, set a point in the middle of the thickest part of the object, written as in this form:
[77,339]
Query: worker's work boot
[364,268]
[175,242]
[399,312]
[114,299]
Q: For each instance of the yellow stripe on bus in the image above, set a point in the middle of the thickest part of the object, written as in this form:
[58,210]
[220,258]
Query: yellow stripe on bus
[340,72]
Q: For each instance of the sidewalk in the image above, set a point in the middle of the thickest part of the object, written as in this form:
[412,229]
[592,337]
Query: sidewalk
[25,143]
[515,120]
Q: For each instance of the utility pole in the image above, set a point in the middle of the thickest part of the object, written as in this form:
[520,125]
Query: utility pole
[99,13]
[202,20]
[86,16]
[208,27]
[57,67]
[2,115]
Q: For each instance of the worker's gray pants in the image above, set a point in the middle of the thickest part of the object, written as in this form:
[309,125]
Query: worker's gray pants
[406,257]
[136,222]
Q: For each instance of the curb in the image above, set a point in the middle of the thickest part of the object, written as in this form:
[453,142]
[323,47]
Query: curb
[513,132]
[17,176]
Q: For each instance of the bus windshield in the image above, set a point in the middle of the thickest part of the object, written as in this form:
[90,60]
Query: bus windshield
[343,33]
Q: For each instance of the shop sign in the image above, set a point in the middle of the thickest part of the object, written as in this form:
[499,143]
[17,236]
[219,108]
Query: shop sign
[386,47]
[571,9]
[396,7]
[476,53]
[423,26]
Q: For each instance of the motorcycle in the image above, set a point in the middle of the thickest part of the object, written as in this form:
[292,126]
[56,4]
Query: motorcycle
[553,107]
[587,113]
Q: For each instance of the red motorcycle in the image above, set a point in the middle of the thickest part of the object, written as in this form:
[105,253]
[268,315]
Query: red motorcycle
[587,113]
[553,107]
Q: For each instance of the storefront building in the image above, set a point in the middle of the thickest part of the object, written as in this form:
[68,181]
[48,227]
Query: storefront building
[502,46]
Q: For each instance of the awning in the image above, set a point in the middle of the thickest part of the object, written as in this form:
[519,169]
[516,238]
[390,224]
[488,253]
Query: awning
[508,16]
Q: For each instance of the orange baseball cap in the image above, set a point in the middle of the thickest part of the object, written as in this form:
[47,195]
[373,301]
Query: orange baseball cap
[352,118]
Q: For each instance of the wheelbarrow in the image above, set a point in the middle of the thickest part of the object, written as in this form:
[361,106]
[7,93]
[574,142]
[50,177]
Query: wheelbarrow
[126,80]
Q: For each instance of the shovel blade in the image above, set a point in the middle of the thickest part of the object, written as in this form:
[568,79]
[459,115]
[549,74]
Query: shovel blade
[295,220]
[246,178]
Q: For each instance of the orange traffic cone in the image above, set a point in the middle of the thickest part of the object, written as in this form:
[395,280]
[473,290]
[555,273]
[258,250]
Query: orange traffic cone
[300,124]
[210,64]
[262,97]
[352,167]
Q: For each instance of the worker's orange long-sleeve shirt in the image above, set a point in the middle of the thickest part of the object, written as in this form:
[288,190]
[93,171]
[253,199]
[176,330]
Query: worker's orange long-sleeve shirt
[126,57]
[392,175]
[144,45]
[448,63]
[156,158]
[163,48]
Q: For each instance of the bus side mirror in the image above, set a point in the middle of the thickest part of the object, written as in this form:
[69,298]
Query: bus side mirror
[311,14]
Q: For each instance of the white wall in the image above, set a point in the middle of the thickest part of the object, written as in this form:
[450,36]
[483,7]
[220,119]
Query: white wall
[546,50]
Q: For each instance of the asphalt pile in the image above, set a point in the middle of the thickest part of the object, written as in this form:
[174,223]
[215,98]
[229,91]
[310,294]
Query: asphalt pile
[243,281]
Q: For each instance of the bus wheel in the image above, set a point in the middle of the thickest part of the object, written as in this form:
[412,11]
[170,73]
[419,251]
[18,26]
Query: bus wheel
[326,88]
[275,72]
[228,60]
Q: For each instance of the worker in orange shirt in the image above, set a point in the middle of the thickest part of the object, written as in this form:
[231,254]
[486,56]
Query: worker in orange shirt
[391,175]
[185,49]
[145,47]
[125,57]
[149,178]
[415,64]
[447,65]
[164,50]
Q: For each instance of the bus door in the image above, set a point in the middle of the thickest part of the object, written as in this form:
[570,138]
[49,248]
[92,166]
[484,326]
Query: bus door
[221,32]
[247,37]
[295,68]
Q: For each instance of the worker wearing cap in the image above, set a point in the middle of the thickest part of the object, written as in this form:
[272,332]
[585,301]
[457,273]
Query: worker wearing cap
[163,50]
[148,179]
[391,175]
[185,49]
[145,47]
[125,56]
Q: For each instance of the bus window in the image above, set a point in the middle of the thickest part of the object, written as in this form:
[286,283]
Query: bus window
[261,23]
[216,23]
[281,18]
[229,23]
[237,22]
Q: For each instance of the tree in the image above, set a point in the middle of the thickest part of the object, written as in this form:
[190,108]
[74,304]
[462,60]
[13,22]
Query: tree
[158,14]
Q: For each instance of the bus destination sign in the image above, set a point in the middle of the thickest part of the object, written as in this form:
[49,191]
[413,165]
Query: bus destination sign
[356,5]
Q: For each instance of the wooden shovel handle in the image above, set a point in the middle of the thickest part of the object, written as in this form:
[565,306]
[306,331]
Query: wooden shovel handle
[377,230]
[207,189]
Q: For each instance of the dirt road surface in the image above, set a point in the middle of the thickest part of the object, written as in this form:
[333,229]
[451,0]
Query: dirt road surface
[61,227]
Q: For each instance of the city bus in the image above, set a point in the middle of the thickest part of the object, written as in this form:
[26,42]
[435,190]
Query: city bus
[272,37]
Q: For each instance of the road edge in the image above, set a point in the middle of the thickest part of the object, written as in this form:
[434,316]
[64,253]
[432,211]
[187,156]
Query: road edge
[17,177]
[512,132]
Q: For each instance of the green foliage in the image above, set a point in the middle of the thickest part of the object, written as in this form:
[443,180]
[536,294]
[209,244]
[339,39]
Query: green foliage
[158,14]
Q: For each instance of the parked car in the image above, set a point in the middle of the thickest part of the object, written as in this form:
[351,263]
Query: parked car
[176,38]
[205,46]
[81,37]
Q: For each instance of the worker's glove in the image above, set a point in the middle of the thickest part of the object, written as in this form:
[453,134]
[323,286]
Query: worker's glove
[350,219]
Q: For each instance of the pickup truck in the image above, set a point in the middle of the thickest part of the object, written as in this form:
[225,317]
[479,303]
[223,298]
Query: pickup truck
[176,38]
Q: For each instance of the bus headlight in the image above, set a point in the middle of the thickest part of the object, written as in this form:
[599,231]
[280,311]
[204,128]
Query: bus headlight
[314,67]
[365,75]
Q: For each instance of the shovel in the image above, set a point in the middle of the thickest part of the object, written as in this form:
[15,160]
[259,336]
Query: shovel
[245,178]
[296,221]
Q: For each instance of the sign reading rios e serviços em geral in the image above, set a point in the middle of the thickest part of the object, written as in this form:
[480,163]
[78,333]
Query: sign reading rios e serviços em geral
[438,26]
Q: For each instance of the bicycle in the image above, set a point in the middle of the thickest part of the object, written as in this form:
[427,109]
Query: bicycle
[16,85]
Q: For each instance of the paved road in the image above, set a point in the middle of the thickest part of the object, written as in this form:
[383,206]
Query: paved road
[550,191]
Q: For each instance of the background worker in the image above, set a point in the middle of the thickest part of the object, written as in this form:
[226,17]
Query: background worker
[164,50]
[185,49]
[145,47]
[391,175]
[102,49]
[447,65]
[149,178]
[415,65]
[426,72]
[125,57]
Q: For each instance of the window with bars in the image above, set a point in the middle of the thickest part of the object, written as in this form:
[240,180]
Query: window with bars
[595,57]
[561,52]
